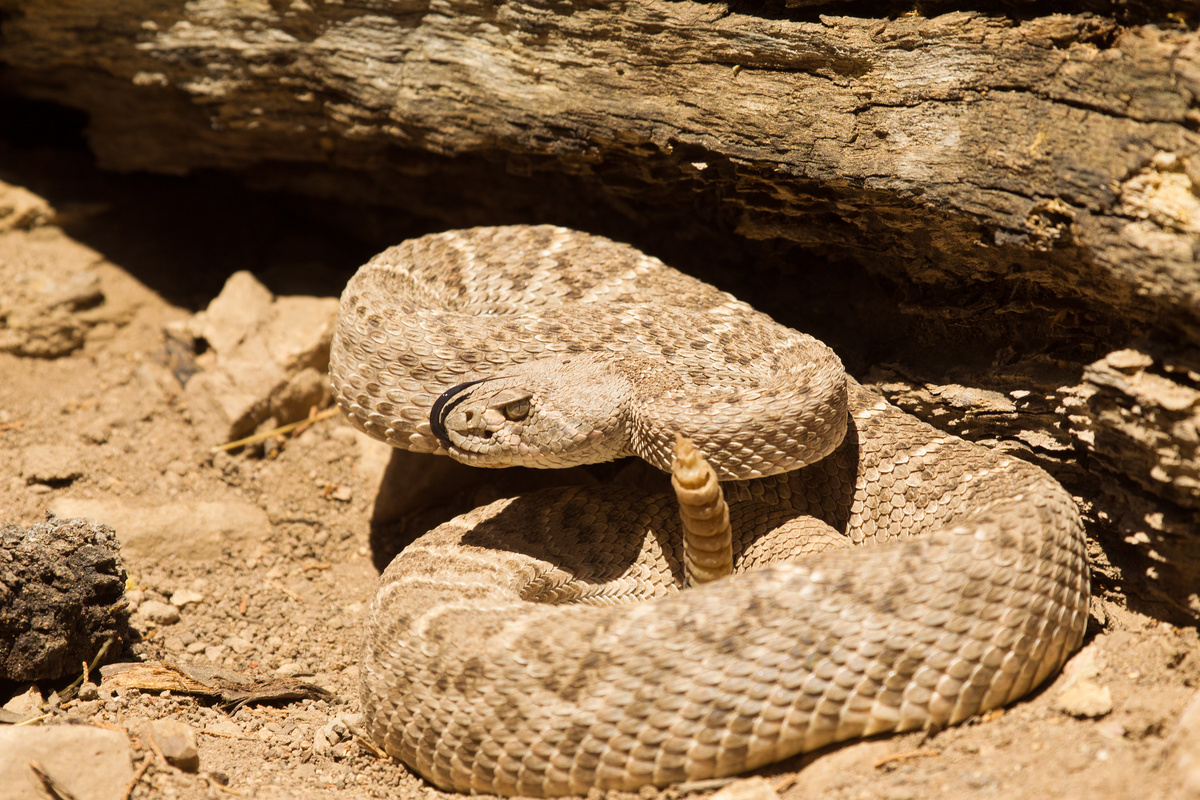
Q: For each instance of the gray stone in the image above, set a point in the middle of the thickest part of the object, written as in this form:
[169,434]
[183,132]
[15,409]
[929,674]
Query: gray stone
[90,763]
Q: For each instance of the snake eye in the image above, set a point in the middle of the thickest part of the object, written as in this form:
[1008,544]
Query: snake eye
[517,410]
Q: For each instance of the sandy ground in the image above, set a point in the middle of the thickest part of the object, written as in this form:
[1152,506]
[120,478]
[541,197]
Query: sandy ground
[266,558]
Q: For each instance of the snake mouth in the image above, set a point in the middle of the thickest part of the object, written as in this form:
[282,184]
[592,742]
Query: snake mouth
[445,404]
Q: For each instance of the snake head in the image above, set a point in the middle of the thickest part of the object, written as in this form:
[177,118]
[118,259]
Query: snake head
[545,413]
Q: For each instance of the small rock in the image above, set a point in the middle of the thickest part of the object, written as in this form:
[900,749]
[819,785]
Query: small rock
[159,612]
[225,727]
[86,708]
[289,669]
[134,598]
[88,691]
[338,729]
[50,464]
[233,314]
[21,209]
[177,741]
[153,531]
[25,702]
[267,358]
[1086,699]
[304,390]
[95,432]
[342,494]
[91,763]
[977,780]
[342,750]
[184,596]
[1083,695]
[178,467]
[239,645]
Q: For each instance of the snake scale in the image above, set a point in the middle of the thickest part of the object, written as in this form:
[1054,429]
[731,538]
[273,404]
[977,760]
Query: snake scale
[541,645]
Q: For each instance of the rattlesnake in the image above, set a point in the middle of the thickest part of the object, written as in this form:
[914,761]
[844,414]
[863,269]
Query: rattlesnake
[540,646]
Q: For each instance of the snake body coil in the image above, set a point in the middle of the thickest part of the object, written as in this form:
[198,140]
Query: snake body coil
[540,646]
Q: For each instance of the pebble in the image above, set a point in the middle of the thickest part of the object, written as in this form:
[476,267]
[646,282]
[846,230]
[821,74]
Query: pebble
[134,597]
[177,741]
[1084,696]
[86,708]
[182,597]
[26,702]
[95,432]
[1085,699]
[159,612]
[238,645]
[49,463]
[225,727]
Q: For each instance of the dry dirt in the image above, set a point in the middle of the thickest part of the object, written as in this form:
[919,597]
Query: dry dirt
[267,558]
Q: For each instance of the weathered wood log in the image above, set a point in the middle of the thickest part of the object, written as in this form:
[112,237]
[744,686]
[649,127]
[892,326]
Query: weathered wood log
[1062,144]
[1022,192]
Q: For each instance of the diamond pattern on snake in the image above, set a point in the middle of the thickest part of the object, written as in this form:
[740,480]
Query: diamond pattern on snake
[886,576]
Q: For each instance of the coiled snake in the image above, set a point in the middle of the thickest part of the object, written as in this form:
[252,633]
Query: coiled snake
[541,646]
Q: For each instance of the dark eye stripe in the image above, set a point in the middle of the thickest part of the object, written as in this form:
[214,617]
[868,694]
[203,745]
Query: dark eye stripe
[446,403]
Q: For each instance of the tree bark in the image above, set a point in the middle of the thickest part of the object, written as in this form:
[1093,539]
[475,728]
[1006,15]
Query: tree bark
[1023,193]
